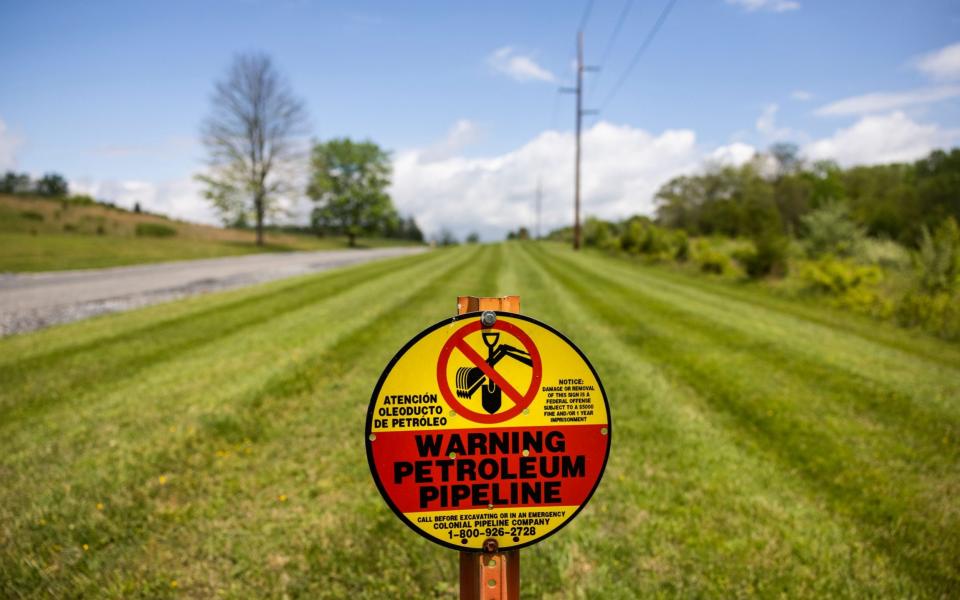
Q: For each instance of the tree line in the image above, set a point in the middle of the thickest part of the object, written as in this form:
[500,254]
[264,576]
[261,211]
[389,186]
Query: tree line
[881,240]
[51,185]
[776,190]
[254,137]
[778,195]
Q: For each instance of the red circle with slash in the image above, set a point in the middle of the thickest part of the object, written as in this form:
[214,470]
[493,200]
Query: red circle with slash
[520,401]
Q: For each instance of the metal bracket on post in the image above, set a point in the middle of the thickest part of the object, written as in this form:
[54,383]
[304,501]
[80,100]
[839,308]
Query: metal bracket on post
[490,575]
[467,304]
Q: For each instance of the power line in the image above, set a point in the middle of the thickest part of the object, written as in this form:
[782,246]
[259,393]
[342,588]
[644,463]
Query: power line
[643,47]
[624,13]
[553,113]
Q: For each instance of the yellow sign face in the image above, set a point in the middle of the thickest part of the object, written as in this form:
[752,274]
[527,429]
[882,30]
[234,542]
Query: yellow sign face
[498,432]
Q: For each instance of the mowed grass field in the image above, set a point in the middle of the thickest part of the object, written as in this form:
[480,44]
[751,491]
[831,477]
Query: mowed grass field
[42,234]
[214,447]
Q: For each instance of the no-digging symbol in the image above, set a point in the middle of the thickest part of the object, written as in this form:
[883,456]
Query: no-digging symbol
[488,432]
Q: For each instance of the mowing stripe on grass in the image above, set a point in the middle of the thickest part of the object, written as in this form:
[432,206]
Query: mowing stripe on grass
[786,425]
[235,466]
[929,416]
[709,515]
[167,383]
[885,336]
[307,400]
[127,489]
[893,365]
[83,364]
[284,292]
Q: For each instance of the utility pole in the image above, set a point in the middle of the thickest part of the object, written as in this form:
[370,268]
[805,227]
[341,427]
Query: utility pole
[579,118]
[576,176]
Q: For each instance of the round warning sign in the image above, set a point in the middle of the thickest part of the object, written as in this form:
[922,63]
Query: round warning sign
[478,432]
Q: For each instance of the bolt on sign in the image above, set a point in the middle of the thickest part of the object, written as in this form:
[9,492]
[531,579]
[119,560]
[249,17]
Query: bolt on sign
[477,432]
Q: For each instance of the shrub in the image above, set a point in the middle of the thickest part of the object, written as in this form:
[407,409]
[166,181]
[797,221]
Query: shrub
[938,259]
[155,230]
[681,246]
[655,242]
[830,230]
[836,277]
[711,260]
[714,262]
[31,215]
[638,235]
[631,236]
[850,285]
[884,253]
[768,256]
[80,200]
[600,234]
[938,313]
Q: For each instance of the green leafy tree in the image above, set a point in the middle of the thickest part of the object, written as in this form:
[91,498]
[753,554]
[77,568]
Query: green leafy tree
[409,230]
[348,183]
[445,237]
[15,183]
[938,186]
[826,183]
[883,199]
[52,185]
[793,196]
[788,158]
[251,136]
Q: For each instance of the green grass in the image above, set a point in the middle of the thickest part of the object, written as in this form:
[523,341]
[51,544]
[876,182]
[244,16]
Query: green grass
[213,447]
[39,234]
[24,253]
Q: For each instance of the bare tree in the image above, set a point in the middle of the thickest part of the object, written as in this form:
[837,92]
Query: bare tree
[252,136]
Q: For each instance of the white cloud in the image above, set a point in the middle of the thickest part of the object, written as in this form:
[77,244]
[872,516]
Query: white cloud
[801,95]
[9,143]
[942,64]
[521,68]
[881,139]
[622,169]
[766,125]
[767,5]
[887,101]
[463,133]
[734,154]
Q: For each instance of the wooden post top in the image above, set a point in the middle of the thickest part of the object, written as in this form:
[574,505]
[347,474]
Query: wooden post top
[467,304]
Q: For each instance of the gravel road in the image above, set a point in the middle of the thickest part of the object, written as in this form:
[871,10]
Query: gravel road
[36,300]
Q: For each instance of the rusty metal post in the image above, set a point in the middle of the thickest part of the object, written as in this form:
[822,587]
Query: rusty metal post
[491,574]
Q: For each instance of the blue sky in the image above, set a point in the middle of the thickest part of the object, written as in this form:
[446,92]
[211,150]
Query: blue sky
[112,93]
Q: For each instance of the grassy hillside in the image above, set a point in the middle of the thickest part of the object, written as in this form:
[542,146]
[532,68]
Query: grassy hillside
[39,234]
[214,446]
